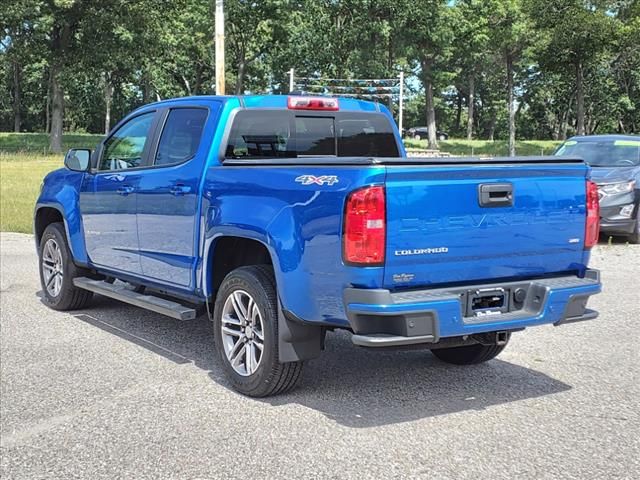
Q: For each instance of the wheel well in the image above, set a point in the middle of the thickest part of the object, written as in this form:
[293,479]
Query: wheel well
[233,252]
[44,217]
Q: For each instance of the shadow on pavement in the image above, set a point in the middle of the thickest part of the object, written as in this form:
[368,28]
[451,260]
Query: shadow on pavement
[606,239]
[353,386]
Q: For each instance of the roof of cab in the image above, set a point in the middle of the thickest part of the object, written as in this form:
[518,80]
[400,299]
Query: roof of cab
[273,101]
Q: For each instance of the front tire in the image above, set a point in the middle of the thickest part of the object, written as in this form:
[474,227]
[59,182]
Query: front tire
[57,272]
[245,322]
[470,354]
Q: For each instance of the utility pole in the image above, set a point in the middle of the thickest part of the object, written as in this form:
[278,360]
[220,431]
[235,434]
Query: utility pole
[400,109]
[219,51]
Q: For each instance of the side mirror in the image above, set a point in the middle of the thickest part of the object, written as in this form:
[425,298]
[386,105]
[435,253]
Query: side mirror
[78,159]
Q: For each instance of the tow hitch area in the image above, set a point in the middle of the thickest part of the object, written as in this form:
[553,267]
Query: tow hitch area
[492,338]
[488,301]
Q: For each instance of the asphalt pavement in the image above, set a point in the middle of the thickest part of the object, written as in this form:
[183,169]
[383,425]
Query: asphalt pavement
[118,392]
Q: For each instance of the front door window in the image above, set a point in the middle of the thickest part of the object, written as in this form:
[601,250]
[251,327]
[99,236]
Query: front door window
[125,148]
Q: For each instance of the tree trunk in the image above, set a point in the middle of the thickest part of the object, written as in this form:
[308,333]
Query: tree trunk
[108,98]
[17,118]
[621,128]
[512,111]
[430,108]
[492,124]
[565,120]
[198,82]
[47,106]
[458,110]
[146,88]
[240,79]
[472,95]
[390,52]
[579,99]
[187,85]
[565,127]
[57,111]
[60,39]
[557,127]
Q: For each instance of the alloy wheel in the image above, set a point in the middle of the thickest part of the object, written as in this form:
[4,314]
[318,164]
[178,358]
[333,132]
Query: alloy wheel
[242,332]
[52,267]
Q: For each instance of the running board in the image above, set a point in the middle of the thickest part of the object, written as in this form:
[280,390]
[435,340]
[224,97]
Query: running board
[148,302]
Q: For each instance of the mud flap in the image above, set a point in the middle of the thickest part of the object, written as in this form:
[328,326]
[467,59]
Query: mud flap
[297,341]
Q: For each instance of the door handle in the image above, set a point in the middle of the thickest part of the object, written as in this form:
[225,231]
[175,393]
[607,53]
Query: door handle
[179,189]
[124,190]
[495,195]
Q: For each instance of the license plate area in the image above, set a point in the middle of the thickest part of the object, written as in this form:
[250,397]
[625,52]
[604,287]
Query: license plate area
[487,301]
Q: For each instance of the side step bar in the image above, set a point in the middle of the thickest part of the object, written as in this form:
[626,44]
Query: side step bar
[148,302]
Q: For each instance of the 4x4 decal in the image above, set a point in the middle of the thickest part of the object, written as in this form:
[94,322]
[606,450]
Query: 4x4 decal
[313,180]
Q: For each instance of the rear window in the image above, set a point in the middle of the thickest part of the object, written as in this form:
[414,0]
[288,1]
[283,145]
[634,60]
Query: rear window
[285,134]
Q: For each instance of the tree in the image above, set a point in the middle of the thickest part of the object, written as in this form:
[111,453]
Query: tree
[577,32]
[428,38]
[16,42]
[626,66]
[512,33]
[562,66]
[472,47]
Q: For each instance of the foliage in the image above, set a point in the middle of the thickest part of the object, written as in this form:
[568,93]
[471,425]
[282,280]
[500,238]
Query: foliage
[565,66]
[488,148]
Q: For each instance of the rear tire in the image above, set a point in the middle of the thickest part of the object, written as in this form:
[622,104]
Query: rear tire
[245,323]
[57,272]
[469,355]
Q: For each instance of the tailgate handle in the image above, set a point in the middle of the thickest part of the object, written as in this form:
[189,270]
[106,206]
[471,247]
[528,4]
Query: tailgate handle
[495,194]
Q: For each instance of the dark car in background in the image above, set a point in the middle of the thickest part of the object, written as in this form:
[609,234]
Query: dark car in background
[422,132]
[615,162]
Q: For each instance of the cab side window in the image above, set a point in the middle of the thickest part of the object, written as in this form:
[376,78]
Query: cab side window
[181,135]
[125,148]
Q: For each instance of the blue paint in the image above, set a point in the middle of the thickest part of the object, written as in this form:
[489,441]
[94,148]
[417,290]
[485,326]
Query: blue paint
[155,237]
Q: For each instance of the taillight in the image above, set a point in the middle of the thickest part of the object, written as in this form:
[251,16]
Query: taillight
[312,103]
[365,227]
[592,229]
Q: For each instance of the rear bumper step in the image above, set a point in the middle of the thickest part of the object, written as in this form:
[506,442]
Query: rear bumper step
[381,318]
[587,315]
[148,302]
[384,340]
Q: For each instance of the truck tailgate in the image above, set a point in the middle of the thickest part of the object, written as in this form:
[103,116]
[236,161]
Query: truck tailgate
[469,222]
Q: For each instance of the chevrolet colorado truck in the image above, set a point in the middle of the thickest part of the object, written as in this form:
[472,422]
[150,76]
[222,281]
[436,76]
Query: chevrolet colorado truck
[287,217]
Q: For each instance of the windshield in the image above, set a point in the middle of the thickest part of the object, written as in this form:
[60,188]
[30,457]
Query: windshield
[286,134]
[604,153]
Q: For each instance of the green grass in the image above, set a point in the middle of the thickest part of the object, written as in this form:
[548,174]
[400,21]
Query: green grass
[485,147]
[39,142]
[24,161]
[20,178]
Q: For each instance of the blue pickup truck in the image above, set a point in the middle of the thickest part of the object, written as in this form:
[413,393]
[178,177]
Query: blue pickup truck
[287,217]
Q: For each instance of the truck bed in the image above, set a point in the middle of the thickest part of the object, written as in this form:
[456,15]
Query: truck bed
[439,232]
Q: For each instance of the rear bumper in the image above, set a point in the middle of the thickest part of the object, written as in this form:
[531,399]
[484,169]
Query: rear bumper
[381,318]
[614,219]
[618,226]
